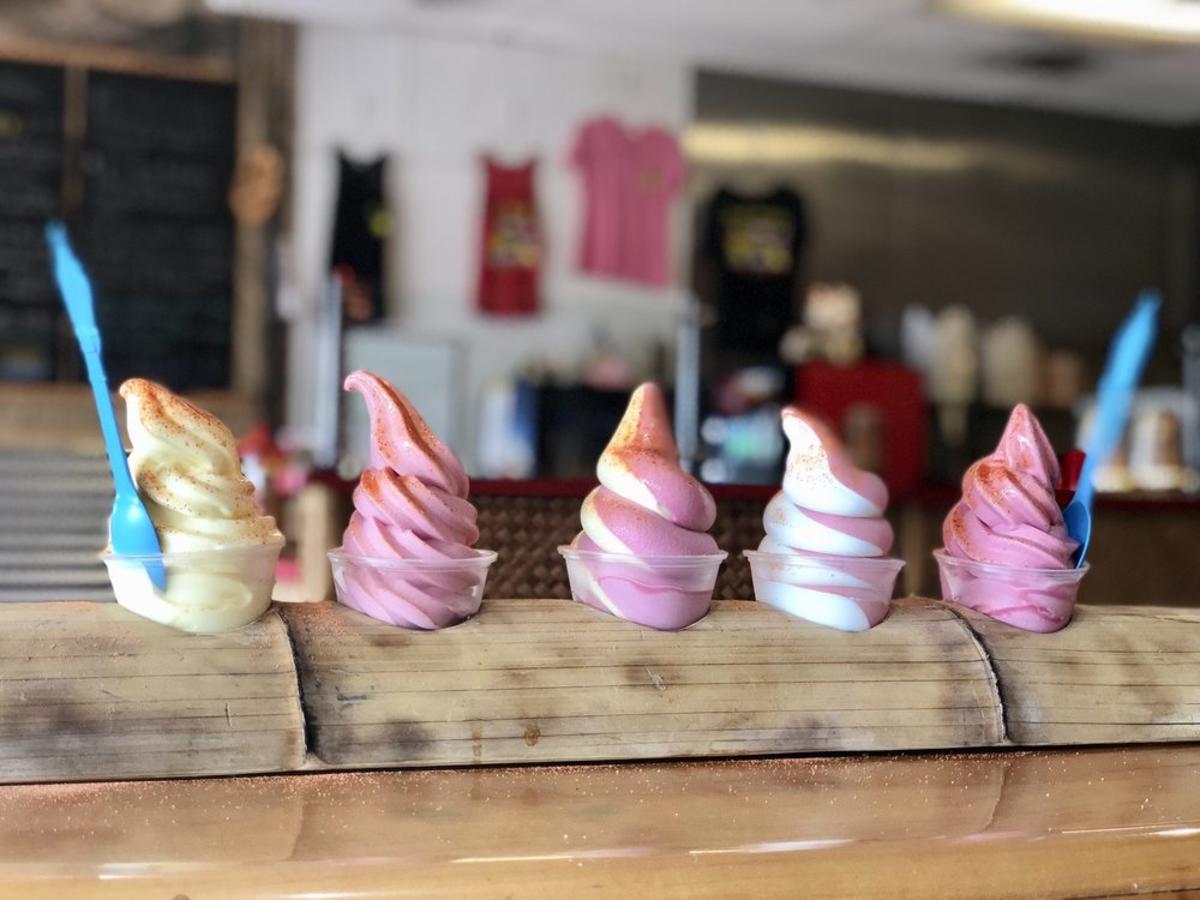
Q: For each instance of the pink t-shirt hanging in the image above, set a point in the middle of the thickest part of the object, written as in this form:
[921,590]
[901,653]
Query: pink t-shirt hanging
[655,177]
[630,181]
[601,154]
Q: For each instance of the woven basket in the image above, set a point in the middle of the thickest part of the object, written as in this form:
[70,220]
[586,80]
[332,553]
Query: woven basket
[526,533]
[739,527]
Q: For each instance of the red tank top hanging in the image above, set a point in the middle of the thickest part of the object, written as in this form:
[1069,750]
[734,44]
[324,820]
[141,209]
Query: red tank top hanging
[511,253]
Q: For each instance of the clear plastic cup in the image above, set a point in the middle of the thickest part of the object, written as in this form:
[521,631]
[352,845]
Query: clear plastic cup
[207,591]
[1041,600]
[424,594]
[849,593]
[663,592]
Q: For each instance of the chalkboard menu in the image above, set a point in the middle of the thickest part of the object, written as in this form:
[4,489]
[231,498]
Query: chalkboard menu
[31,175]
[155,228]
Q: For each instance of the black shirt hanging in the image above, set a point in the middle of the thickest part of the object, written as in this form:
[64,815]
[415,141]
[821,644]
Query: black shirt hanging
[754,244]
[361,225]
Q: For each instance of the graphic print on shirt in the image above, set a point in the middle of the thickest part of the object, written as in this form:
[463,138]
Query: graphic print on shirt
[758,239]
[650,179]
[513,242]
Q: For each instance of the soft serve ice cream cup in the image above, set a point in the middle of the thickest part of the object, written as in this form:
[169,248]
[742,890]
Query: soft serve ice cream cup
[644,553]
[1007,553]
[824,557]
[208,591]
[663,592]
[423,594]
[218,550]
[843,592]
[1041,600]
[406,556]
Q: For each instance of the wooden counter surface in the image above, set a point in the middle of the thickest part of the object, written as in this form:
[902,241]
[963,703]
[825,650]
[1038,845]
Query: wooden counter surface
[1005,823]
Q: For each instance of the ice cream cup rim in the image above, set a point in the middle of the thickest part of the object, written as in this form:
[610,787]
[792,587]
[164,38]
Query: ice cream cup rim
[805,559]
[944,558]
[480,560]
[568,552]
[183,555]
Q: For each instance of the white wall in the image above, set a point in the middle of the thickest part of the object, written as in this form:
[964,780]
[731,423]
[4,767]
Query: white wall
[435,105]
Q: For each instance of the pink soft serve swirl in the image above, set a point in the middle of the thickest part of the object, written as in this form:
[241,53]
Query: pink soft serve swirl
[646,504]
[827,505]
[1008,514]
[410,503]
[826,533]
[646,510]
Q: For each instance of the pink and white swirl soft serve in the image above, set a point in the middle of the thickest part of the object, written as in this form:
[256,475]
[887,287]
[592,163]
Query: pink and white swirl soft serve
[646,507]
[410,503]
[1009,516]
[827,515]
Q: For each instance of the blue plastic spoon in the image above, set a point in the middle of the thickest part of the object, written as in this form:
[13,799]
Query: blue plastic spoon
[1114,400]
[131,530]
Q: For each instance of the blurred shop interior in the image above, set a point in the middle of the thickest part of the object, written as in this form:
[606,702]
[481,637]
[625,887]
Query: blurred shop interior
[906,216]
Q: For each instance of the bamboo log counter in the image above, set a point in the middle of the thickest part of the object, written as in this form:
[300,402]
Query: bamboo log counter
[1047,823]
[89,691]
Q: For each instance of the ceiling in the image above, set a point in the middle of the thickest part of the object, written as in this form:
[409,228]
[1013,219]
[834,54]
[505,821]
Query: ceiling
[897,45]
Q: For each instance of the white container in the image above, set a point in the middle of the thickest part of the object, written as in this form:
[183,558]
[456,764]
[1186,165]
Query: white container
[207,591]
[849,593]
[667,593]
[423,594]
